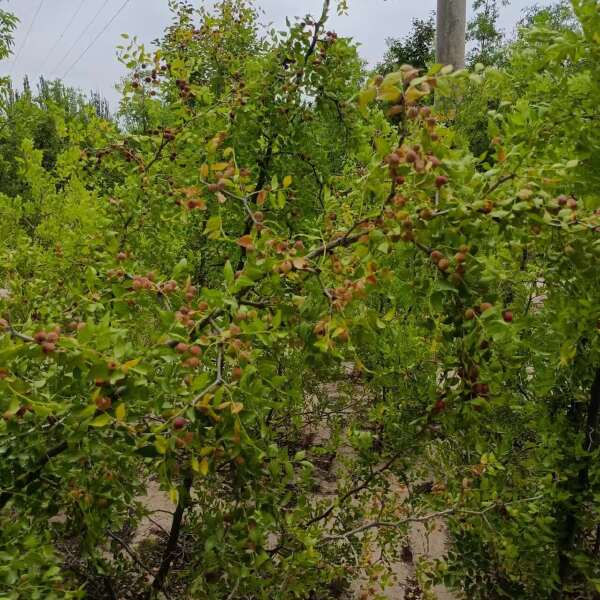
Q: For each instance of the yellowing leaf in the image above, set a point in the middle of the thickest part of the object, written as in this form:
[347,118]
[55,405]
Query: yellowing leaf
[203,467]
[287,181]
[392,79]
[161,444]
[174,495]
[413,94]
[365,97]
[568,351]
[220,166]
[389,93]
[120,412]
[236,408]
[130,364]
[204,171]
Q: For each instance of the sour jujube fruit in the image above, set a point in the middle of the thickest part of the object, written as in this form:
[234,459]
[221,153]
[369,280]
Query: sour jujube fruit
[179,423]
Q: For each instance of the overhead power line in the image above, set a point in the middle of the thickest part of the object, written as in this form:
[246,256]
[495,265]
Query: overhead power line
[80,37]
[100,33]
[33,20]
[62,35]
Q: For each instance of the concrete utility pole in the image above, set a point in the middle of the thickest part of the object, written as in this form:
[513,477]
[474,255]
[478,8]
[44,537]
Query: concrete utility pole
[451,32]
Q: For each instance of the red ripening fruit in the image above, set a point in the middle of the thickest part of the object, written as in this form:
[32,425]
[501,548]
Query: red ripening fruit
[469,314]
[572,203]
[440,181]
[286,266]
[399,200]
[459,257]
[392,159]
[436,256]
[192,362]
[485,306]
[562,200]
[3,324]
[48,347]
[236,373]
[481,389]
[443,264]
[196,350]
[507,316]
[179,423]
[413,112]
[181,348]
[488,207]
[440,405]
[40,337]
[103,403]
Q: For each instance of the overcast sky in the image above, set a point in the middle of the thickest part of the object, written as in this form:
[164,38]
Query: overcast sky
[45,52]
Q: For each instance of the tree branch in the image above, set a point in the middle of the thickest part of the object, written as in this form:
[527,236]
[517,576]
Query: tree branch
[165,566]
[352,492]
[423,519]
[28,478]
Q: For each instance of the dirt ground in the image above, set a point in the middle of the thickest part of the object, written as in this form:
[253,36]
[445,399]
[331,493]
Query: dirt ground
[422,544]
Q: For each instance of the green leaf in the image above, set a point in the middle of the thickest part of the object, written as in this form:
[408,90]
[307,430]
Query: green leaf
[228,274]
[101,420]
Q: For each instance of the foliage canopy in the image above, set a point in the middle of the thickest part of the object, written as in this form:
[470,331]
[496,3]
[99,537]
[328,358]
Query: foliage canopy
[182,299]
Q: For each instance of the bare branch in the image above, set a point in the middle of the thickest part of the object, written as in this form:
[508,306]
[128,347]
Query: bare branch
[352,492]
[129,551]
[423,519]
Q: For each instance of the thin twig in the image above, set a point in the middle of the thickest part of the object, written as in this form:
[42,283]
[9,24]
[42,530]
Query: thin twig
[500,182]
[129,551]
[352,492]
[18,335]
[421,519]
[234,589]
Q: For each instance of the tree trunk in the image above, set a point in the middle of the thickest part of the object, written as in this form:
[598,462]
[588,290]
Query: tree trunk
[451,32]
